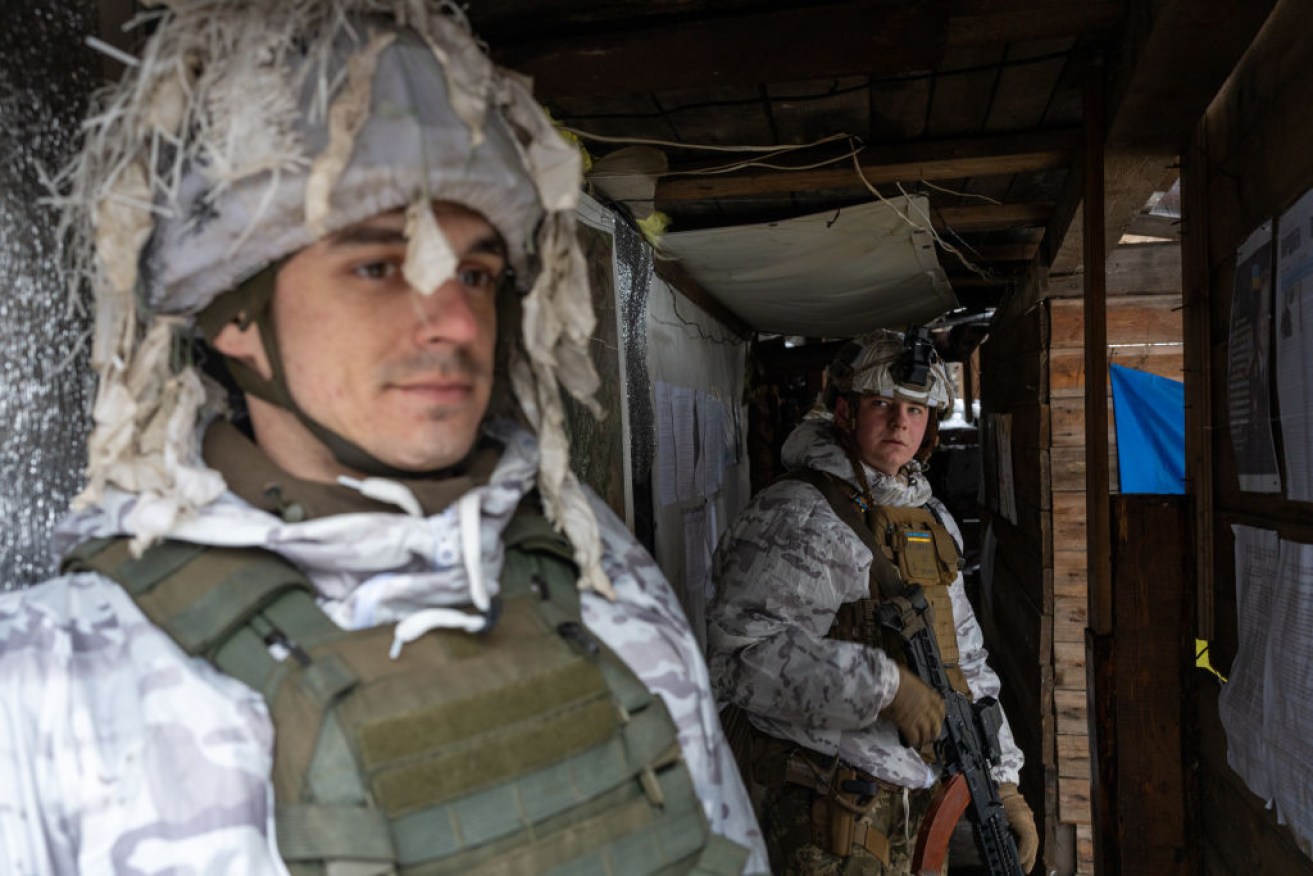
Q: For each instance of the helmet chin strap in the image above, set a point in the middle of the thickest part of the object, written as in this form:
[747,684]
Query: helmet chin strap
[844,432]
[251,303]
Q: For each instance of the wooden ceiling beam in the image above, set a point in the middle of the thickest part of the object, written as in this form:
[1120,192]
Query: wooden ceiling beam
[926,160]
[1006,252]
[987,217]
[1182,53]
[1148,225]
[859,37]
[975,22]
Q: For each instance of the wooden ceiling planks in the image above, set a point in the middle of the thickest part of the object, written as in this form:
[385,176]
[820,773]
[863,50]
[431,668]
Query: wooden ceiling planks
[1005,21]
[963,90]
[898,109]
[975,96]
[730,115]
[804,112]
[623,115]
[858,37]
[1027,84]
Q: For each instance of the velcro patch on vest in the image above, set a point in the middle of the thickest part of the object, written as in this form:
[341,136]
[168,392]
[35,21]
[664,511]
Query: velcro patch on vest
[920,560]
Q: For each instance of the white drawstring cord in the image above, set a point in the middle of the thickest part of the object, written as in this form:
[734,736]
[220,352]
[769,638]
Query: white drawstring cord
[907,818]
[384,490]
[421,622]
[469,517]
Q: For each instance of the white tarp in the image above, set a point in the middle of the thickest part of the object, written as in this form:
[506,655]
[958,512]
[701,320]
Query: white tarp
[822,275]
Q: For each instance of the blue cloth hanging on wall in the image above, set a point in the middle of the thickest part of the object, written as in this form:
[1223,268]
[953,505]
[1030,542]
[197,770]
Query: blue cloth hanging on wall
[1150,415]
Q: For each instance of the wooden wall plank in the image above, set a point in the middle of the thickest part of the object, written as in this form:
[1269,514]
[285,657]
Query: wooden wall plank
[1070,617]
[1084,849]
[1021,574]
[1067,367]
[1072,712]
[1142,269]
[1070,578]
[1067,468]
[1030,430]
[1074,756]
[1067,422]
[1068,521]
[1145,319]
[1071,628]
[1074,800]
[1069,667]
[1152,650]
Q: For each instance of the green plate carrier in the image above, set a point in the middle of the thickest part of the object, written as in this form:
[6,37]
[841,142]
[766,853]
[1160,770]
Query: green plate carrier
[528,749]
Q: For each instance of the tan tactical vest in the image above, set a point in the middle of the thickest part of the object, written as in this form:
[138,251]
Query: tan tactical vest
[910,546]
[531,748]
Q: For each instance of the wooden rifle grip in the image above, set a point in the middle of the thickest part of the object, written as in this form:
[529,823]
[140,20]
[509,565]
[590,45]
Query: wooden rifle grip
[937,827]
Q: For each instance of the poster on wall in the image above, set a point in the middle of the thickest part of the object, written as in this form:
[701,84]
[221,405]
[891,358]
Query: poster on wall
[1294,334]
[1248,381]
[1288,706]
[1265,705]
[1240,703]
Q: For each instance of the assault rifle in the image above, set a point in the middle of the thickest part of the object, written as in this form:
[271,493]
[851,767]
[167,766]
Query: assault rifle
[967,747]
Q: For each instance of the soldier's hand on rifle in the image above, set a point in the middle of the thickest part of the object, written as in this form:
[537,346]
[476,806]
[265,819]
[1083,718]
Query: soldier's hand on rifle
[1022,822]
[917,710]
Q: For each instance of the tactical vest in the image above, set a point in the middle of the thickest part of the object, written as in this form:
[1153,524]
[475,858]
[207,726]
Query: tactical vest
[531,748]
[909,545]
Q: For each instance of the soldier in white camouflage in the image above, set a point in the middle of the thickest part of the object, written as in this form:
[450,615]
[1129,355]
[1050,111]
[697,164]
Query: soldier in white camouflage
[828,724]
[371,227]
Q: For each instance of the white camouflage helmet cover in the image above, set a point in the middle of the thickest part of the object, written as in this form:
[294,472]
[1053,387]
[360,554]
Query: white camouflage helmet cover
[872,372]
[248,130]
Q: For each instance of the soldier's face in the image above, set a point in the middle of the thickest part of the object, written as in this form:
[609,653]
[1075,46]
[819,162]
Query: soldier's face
[887,431]
[405,376]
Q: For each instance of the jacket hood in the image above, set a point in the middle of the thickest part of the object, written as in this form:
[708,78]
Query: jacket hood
[812,444]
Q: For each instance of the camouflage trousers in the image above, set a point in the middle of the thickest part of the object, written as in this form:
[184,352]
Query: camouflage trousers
[794,820]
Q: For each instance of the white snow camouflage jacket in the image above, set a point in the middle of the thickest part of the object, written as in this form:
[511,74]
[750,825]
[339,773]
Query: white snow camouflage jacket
[120,754]
[782,571]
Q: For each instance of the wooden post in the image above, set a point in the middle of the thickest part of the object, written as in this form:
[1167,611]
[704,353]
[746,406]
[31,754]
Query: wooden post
[1100,663]
[1098,541]
[1196,276]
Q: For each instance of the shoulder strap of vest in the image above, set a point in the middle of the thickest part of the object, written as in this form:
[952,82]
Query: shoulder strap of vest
[529,531]
[226,605]
[885,580]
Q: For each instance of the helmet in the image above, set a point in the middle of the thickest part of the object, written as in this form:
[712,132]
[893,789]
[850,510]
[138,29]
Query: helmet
[250,129]
[891,364]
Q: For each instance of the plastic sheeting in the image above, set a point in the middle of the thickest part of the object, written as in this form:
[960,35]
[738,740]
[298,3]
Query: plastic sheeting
[45,382]
[1150,414]
[824,275]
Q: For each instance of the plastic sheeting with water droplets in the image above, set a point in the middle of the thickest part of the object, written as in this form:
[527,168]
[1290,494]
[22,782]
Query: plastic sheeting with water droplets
[633,268]
[46,385]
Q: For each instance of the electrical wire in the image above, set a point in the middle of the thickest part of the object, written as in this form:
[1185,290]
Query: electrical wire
[729,338]
[927,227]
[703,147]
[948,191]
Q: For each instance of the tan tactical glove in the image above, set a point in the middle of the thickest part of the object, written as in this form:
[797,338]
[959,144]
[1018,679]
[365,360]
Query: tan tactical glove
[1022,823]
[917,711]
